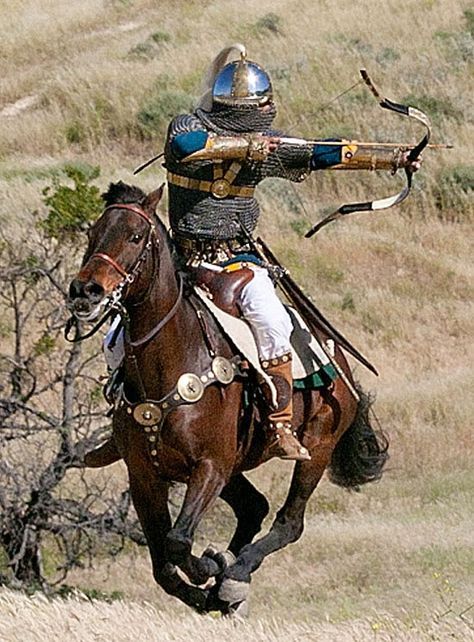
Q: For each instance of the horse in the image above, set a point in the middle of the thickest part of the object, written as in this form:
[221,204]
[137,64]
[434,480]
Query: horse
[202,435]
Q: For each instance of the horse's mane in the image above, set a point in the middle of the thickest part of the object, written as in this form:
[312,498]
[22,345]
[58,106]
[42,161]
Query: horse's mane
[122,193]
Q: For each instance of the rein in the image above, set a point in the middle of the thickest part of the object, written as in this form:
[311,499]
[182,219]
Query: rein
[154,331]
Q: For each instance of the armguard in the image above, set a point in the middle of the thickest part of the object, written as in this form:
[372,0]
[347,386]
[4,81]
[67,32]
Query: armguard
[230,148]
[356,155]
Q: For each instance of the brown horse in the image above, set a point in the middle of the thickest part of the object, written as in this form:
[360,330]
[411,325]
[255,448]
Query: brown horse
[205,441]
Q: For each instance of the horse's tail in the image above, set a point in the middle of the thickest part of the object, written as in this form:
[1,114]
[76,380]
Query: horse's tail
[362,452]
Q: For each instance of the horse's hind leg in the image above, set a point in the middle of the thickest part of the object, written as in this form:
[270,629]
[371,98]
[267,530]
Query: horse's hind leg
[287,528]
[323,432]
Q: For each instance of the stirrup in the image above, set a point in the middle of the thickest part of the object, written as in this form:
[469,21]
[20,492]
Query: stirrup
[285,444]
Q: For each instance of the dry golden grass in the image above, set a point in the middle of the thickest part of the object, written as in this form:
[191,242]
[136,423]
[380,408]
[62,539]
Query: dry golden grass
[394,562]
[77,620]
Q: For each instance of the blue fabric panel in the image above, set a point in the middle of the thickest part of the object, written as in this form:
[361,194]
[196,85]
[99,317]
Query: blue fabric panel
[245,258]
[325,156]
[185,144]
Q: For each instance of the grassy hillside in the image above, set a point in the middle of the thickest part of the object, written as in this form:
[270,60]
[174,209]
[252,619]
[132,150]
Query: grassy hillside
[95,83]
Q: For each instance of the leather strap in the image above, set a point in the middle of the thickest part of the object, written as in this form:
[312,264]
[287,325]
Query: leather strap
[220,188]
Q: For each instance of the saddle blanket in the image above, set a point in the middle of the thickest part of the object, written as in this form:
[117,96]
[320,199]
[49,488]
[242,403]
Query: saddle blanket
[312,367]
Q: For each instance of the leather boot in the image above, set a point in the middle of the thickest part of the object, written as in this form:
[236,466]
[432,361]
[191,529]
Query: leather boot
[283,441]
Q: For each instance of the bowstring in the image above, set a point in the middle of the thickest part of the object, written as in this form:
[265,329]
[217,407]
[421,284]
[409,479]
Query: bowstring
[319,108]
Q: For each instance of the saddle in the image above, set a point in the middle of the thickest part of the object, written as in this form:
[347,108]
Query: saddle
[219,290]
[223,287]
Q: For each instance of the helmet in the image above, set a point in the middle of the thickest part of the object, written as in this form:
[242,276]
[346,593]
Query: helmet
[242,83]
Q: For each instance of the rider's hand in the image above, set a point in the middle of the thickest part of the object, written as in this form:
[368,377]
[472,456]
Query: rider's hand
[273,142]
[412,166]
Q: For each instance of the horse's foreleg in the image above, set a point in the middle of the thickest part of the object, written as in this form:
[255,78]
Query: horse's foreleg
[250,508]
[204,486]
[104,455]
[150,499]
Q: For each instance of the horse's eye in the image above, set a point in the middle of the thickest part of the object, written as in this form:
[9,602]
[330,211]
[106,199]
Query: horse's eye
[135,238]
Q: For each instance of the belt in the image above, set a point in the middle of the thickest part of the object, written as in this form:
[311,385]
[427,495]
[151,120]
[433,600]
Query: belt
[220,187]
[218,251]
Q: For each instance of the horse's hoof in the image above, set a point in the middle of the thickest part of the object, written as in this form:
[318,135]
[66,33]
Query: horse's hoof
[234,594]
[239,610]
[223,559]
[210,552]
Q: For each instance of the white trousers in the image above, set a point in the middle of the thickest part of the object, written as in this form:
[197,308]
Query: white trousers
[269,321]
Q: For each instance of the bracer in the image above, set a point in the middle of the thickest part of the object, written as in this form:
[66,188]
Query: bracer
[230,148]
[361,156]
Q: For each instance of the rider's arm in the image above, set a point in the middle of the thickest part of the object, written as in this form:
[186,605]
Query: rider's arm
[201,145]
[296,153]
[187,143]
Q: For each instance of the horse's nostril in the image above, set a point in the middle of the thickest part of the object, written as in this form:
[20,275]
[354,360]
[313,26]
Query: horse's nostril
[93,290]
[75,289]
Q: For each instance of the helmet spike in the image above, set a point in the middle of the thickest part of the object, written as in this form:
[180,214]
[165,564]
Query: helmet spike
[233,52]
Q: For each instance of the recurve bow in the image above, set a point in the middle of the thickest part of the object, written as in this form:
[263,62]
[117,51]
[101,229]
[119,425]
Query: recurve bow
[413,154]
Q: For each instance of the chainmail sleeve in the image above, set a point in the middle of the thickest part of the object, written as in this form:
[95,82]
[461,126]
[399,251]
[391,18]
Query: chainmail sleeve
[288,161]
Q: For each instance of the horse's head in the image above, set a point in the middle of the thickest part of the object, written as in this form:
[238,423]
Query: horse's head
[119,243]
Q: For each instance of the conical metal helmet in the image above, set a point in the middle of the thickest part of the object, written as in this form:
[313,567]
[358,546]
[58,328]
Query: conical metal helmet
[242,82]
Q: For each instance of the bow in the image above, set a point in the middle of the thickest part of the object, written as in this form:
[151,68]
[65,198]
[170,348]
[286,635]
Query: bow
[389,201]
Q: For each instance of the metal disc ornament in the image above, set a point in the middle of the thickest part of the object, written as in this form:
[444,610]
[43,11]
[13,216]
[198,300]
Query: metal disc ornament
[220,188]
[223,370]
[190,387]
[147,414]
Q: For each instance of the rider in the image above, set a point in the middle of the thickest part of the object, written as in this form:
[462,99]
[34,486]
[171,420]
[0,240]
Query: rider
[215,157]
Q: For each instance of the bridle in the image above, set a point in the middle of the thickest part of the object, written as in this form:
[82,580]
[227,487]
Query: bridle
[128,277]
[113,301]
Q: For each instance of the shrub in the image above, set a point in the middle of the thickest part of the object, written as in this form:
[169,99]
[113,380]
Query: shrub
[51,408]
[469,18]
[150,48]
[457,47]
[436,108]
[71,208]
[269,22]
[454,191]
[160,107]
[160,36]
[387,56]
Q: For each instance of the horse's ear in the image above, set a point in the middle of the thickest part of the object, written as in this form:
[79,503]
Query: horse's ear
[152,199]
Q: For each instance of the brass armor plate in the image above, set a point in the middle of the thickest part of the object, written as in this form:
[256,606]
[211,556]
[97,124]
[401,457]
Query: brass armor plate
[223,370]
[190,387]
[147,414]
[220,188]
